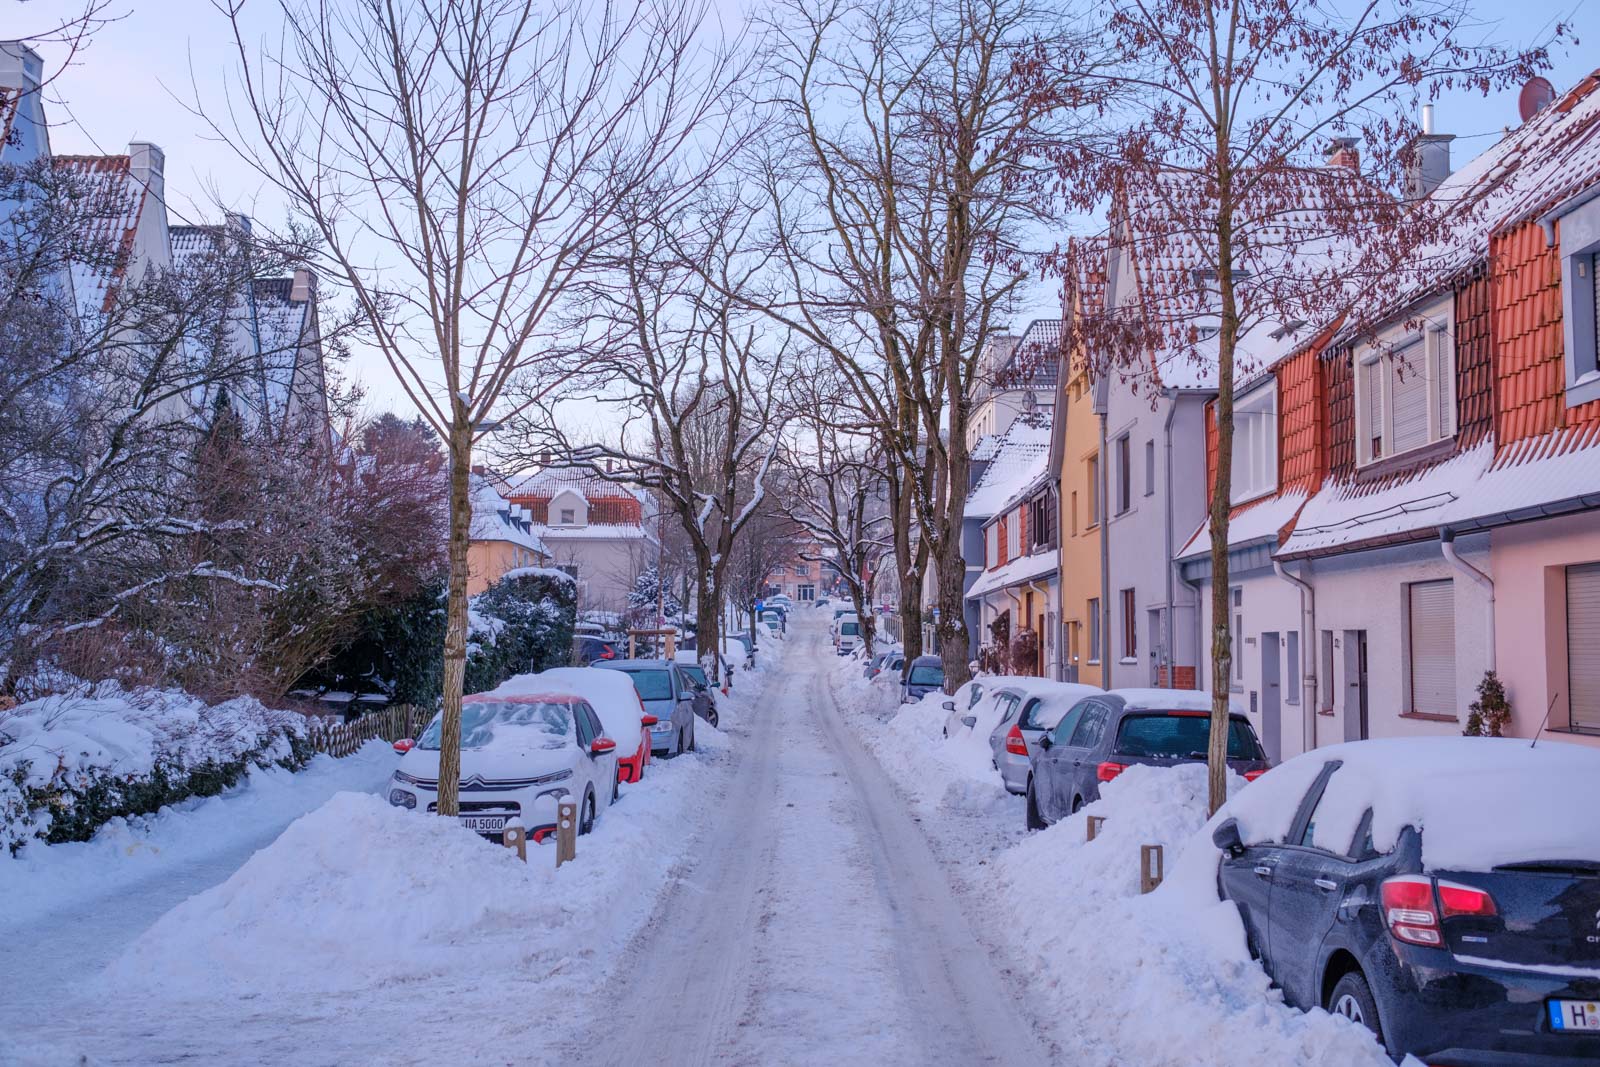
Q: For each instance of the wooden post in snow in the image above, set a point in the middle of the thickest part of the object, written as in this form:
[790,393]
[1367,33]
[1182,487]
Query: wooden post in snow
[1152,867]
[515,835]
[566,830]
[1093,826]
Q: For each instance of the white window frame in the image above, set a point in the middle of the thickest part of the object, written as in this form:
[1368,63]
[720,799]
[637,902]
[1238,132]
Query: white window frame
[1580,308]
[1429,334]
[1258,475]
[569,516]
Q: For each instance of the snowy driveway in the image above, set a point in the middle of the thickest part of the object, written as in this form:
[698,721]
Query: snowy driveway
[814,925]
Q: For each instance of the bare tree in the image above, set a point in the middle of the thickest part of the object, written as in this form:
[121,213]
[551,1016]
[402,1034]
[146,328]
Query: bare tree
[463,162]
[1220,170]
[696,370]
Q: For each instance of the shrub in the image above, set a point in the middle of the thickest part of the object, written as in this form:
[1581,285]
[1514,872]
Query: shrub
[1487,716]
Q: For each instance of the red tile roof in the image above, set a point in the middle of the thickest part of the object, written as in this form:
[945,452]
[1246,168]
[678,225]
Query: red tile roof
[109,211]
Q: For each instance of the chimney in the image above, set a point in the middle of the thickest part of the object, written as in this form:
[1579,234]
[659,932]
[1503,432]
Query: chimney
[146,162]
[304,286]
[1342,152]
[545,457]
[1426,158]
[22,69]
[20,66]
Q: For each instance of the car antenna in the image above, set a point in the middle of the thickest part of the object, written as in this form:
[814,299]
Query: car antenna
[1547,712]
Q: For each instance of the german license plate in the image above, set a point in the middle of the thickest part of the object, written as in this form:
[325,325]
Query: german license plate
[484,824]
[1579,1016]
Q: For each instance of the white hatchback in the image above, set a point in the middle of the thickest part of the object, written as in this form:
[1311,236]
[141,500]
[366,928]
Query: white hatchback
[520,755]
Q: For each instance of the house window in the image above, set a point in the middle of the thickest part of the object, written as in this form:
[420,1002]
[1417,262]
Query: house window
[1124,475]
[1149,467]
[1291,685]
[1431,643]
[1580,302]
[1094,630]
[1130,627]
[801,570]
[1325,671]
[1072,640]
[1074,514]
[1014,536]
[1405,386]
[1583,645]
[1236,642]
[1094,491]
[1255,443]
[991,545]
[1041,523]
[569,516]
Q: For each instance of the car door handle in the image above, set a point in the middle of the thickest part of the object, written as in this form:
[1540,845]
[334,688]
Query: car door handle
[1263,872]
[1325,884]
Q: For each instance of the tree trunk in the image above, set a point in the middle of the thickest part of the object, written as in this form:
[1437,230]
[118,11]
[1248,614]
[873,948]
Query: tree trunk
[955,648]
[707,622]
[455,632]
[1221,502]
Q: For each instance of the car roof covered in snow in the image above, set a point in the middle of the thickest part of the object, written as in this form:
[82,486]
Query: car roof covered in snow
[1151,699]
[1478,802]
[611,695]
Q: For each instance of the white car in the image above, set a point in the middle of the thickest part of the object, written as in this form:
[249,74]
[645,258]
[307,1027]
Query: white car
[613,698]
[963,704]
[520,755]
[846,633]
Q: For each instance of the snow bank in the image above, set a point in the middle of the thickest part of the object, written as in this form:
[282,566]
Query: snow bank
[68,762]
[1157,980]
[359,895]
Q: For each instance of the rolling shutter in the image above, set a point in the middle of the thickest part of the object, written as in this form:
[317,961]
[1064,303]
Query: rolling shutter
[1583,644]
[1433,647]
[1373,397]
[1409,399]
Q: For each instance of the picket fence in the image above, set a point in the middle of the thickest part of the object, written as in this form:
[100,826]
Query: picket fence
[340,739]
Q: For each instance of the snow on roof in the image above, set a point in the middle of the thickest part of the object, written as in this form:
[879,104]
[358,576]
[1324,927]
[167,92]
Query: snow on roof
[596,531]
[1020,456]
[1477,801]
[493,519]
[986,447]
[1258,520]
[108,219]
[1021,569]
[551,480]
[611,693]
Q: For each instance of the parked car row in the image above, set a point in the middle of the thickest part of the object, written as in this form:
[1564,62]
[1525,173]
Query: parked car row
[578,732]
[1443,892]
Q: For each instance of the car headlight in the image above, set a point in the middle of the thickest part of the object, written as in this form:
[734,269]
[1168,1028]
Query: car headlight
[411,779]
[663,727]
[401,799]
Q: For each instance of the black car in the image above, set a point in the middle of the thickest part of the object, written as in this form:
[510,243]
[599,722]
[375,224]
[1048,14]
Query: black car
[1461,967]
[588,648]
[705,704]
[1101,736]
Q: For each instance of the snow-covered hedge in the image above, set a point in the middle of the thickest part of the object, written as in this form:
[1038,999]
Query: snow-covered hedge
[71,762]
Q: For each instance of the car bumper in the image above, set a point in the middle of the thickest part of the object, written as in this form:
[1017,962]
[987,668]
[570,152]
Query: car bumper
[1451,1013]
[1014,770]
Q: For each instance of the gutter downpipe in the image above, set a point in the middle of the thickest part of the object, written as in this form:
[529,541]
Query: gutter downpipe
[1105,562]
[1447,545]
[1308,655]
[1172,564]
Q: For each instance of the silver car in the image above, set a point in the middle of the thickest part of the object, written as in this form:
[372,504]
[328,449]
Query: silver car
[1028,710]
[667,695]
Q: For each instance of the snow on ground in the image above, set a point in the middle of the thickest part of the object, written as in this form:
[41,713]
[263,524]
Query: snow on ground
[1163,980]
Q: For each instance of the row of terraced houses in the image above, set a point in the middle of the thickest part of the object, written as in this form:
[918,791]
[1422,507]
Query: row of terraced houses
[1414,500]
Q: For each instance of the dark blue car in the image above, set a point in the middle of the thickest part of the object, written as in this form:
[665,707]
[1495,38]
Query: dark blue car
[1463,965]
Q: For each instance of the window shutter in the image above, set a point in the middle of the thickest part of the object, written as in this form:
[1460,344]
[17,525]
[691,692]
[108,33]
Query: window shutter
[1373,398]
[1443,379]
[1583,644]
[1433,647]
[1409,398]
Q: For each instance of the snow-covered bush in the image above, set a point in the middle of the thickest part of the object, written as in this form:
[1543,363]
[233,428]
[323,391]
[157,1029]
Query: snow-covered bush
[71,762]
[520,625]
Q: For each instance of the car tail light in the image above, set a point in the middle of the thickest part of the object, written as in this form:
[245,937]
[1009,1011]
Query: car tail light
[1456,900]
[1251,776]
[1410,910]
[1109,770]
[1016,744]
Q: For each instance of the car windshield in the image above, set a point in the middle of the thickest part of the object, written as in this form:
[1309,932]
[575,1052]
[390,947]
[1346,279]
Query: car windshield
[927,674]
[850,629]
[481,721]
[695,673]
[1181,736]
[652,685]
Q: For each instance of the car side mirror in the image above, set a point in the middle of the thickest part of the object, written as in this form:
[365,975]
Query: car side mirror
[404,745]
[969,721]
[1045,742]
[949,705]
[601,745]
[648,720]
[1226,837]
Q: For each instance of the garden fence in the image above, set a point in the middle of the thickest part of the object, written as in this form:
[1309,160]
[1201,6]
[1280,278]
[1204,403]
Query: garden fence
[394,722]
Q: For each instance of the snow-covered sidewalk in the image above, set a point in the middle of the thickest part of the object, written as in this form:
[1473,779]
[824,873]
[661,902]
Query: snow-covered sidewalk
[1163,980]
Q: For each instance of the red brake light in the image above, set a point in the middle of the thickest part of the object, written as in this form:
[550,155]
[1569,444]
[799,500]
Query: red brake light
[1409,909]
[1456,899]
[1109,770]
[1251,776]
[1016,744]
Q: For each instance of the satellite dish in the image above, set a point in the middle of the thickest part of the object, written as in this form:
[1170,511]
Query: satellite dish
[1537,95]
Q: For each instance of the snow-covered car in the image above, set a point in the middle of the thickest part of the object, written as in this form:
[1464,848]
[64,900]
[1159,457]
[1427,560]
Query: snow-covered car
[1027,708]
[666,695]
[614,699]
[925,676]
[889,658]
[1444,892]
[1070,757]
[520,755]
[959,708]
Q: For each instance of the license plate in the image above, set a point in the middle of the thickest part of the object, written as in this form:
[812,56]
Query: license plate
[1580,1016]
[484,824]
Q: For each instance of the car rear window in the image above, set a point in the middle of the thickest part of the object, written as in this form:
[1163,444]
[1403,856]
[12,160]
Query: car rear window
[695,673]
[849,629]
[927,674]
[1181,736]
[652,685]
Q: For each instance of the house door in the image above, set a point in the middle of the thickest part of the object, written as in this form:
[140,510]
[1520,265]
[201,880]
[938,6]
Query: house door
[1356,723]
[1271,697]
[1160,659]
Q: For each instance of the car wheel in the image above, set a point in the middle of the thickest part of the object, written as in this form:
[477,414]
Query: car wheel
[1077,805]
[711,717]
[586,820]
[691,739]
[1352,998]
[616,787]
[680,742]
[1035,820]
